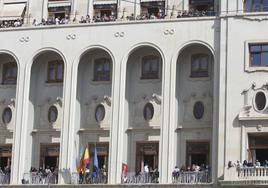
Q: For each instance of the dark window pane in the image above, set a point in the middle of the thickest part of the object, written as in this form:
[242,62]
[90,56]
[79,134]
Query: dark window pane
[257,5]
[255,48]
[265,47]
[60,72]
[264,59]
[102,69]
[199,66]
[265,5]
[248,5]
[256,59]
[150,67]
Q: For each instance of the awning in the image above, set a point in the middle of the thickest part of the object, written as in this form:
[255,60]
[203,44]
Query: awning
[104,2]
[143,1]
[59,4]
[12,11]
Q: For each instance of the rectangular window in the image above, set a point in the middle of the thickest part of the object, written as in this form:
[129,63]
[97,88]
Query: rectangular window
[9,73]
[150,67]
[55,71]
[199,66]
[206,6]
[255,5]
[258,55]
[102,69]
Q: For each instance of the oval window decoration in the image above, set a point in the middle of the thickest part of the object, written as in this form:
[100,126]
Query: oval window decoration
[260,100]
[148,111]
[7,115]
[198,110]
[99,113]
[52,114]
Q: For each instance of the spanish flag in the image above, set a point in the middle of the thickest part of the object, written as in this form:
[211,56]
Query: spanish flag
[86,159]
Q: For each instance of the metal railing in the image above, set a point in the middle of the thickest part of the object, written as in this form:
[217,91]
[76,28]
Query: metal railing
[252,172]
[4,178]
[35,178]
[88,178]
[191,177]
[140,178]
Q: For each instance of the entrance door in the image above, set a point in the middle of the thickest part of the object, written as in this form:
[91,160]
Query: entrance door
[258,148]
[49,155]
[197,153]
[5,156]
[147,154]
[102,154]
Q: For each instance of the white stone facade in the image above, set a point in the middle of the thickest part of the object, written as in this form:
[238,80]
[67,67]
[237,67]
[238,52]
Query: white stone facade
[231,119]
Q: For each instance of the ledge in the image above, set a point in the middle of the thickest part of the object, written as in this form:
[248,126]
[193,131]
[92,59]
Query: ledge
[143,128]
[72,25]
[52,130]
[94,129]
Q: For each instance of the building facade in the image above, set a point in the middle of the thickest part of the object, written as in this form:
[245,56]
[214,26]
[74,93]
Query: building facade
[185,86]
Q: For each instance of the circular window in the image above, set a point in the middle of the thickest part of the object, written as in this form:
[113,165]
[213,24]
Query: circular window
[7,115]
[99,113]
[52,114]
[198,110]
[148,111]
[260,100]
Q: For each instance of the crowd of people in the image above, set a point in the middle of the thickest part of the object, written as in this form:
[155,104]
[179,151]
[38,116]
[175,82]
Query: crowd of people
[103,18]
[11,23]
[5,175]
[246,163]
[191,174]
[49,175]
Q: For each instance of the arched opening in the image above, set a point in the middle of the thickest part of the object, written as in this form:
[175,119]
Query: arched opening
[93,111]
[194,108]
[45,114]
[8,84]
[142,110]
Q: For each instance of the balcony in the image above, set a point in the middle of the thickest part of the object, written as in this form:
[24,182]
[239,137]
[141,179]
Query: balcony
[245,176]
[190,177]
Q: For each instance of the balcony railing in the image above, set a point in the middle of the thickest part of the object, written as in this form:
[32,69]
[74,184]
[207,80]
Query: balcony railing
[140,178]
[34,178]
[4,178]
[192,177]
[256,173]
[88,178]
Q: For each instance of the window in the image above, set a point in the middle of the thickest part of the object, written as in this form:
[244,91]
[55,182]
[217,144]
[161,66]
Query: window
[148,111]
[258,55]
[7,115]
[255,5]
[198,110]
[199,66]
[260,100]
[150,67]
[197,153]
[55,71]
[102,69]
[52,114]
[99,113]
[9,73]
[206,6]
